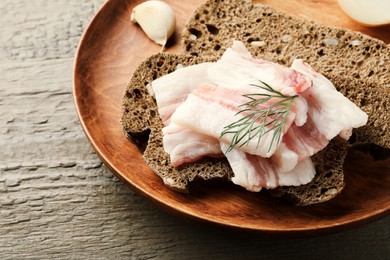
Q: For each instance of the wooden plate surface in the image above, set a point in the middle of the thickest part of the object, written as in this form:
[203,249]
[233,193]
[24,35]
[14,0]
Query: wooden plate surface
[111,49]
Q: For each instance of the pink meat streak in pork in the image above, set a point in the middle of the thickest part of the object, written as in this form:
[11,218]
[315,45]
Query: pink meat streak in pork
[196,103]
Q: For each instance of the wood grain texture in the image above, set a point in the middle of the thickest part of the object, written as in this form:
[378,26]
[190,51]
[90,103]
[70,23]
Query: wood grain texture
[57,200]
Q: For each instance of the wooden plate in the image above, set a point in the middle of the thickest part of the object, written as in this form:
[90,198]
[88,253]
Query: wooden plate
[109,52]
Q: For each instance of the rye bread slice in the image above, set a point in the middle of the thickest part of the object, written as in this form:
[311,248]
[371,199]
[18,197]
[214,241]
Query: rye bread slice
[279,37]
[142,125]
[373,99]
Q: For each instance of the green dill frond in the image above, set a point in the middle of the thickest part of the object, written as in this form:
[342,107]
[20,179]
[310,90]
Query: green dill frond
[271,118]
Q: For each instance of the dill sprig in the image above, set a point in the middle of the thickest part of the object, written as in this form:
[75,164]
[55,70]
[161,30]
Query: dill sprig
[271,118]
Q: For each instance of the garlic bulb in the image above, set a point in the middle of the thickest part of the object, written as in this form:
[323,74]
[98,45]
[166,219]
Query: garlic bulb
[367,12]
[156,19]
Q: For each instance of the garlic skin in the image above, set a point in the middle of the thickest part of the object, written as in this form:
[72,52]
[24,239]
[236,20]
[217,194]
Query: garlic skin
[156,19]
[367,12]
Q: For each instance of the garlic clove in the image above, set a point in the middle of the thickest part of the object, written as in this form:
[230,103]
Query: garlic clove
[367,12]
[156,19]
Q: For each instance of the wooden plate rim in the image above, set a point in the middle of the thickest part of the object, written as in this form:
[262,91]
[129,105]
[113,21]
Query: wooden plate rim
[161,203]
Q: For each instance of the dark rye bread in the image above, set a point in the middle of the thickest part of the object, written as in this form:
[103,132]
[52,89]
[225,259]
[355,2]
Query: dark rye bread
[279,37]
[142,124]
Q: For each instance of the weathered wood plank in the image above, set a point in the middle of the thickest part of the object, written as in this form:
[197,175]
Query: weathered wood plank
[56,197]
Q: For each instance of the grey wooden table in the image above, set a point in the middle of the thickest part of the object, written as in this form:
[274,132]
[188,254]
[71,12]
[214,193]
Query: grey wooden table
[59,201]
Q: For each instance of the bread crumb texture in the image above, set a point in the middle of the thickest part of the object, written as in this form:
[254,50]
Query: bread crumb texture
[279,37]
[374,100]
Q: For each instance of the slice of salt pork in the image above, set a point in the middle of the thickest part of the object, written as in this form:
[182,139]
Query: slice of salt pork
[197,103]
